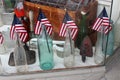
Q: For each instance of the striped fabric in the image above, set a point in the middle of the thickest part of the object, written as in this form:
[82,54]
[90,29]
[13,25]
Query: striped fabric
[17,27]
[42,20]
[68,23]
[102,23]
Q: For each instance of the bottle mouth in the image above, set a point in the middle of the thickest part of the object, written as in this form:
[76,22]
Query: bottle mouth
[83,12]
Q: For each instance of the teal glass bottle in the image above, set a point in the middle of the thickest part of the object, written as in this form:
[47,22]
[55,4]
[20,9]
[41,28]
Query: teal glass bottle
[45,50]
[109,42]
[20,56]
[69,57]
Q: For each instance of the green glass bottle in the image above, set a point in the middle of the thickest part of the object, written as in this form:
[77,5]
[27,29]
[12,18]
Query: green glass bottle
[45,50]
[82,37]
[82,30]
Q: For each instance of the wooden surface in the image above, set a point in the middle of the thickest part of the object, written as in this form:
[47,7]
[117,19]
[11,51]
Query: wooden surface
[54,15]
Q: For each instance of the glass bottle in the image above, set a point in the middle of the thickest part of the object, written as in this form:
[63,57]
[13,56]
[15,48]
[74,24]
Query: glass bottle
[69,59]
[2,49]
[8,43]
[45,50]
[20,56]
[110,41]
[82,33]
[104,46]
[1,70]
[99,55]
[9,5]
[82,30]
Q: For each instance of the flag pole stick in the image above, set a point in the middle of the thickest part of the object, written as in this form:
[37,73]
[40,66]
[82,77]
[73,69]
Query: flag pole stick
[46,39]
[108,32]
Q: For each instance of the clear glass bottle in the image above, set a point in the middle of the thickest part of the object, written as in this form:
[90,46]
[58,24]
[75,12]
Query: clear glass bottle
[69,57]
[45,50]
[8,43]
[9,5]
[20,56]
[104,46]
[99,56]
[2,49]
[1,69]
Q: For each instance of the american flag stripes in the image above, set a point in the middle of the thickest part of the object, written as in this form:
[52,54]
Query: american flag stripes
[68,23]
[42,20]
[17,27]
[102,23]
[1,38]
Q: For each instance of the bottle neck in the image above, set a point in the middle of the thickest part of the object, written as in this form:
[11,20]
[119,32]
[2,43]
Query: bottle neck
[83,26]
[18,42]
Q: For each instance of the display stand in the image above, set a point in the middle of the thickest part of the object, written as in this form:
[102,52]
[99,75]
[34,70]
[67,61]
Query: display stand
[91,73]
[88,70]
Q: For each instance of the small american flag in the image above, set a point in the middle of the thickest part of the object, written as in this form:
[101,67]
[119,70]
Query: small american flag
[17,27]
[68,23]
[42,20]
[102,23]
[1,38]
